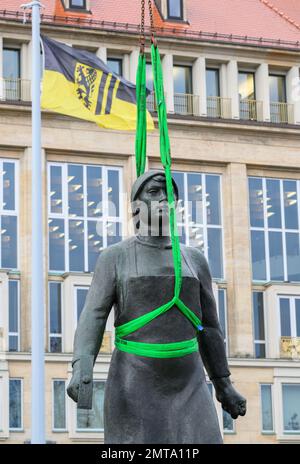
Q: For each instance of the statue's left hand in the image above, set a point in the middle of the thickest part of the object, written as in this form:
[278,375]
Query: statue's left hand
[232,402]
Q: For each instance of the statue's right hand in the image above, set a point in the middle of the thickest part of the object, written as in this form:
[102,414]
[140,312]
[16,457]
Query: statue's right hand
[73,387]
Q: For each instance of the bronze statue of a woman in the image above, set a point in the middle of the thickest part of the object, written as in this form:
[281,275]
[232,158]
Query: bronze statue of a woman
[156,399]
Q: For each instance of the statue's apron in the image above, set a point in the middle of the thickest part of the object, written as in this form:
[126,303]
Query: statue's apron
[152,400]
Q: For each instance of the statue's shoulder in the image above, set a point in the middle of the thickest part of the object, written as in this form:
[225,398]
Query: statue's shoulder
[114,251]
[195,257]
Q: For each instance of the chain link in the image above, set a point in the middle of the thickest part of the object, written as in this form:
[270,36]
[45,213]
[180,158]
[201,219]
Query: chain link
[142,36]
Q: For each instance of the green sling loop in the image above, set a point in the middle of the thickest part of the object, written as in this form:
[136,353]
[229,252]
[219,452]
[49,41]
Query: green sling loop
[158,350]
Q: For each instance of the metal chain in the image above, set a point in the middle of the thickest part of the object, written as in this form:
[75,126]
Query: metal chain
[142,36]
[151,21]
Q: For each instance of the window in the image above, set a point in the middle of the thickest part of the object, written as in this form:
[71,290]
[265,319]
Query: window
[15,404]
[13,316]
[92,420]
[200,217]
[278,108]
[183,99]
[175,9]
[12,73]
[8,214]
[80,297]
[84,214]
[59,405]
[228,424]
[78,4]
[289,308]
[259,324]
[275,232]
[213,93]
[247,95]
[266,408]
[291,408]
[55,317]
[115,65]
[222,311]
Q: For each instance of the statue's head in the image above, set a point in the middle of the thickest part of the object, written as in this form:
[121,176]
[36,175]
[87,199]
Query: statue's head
[149,200]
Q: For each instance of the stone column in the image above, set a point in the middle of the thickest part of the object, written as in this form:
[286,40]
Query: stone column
[133,64]
[102,54]
[126,66]
[167,66]
[199,86]
[233,88]
[262,89]
[293,92]
[1,68]
[238,261]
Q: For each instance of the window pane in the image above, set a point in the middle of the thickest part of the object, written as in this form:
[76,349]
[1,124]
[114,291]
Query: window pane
[222,309]
[13,343]
[55,345]
[297,304]
[182,79]
[95,242]
[179,179]
[276,258]
[114,234]
[290,204]
[13,306]
[15,405]
[291,408]
[266,408]
[94,191]
[93,419]
[277,88]
[246,86]
[149,77]
[227,422]
[196,238]
[273,203]
[11,63]
[56,205]
[258,255]
[260,350]
[175,8]
[59,406]
[195,198]
[81,294]
[76,245]
[213,200]
[55,307]
[75,189]
[293,256]
[113,193]
[115,65]
[214,238]
[212,83]
[256,202]
[258,313]
[285,318]
[56,244]
[9,241]
[78,3]
[9,186]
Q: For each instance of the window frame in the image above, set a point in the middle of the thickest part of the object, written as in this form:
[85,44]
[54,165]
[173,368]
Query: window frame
[178,18]
[18,334]
[16,211]
[51,335]
[255,341]
[266,229]
[286,433]
[75,289]
[64,216]
[21,428]
[53,428]
[267,432]
[292,303]
[77,7]
[118,60]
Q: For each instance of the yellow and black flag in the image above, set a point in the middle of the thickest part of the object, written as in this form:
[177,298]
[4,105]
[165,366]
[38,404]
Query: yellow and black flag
[77,83]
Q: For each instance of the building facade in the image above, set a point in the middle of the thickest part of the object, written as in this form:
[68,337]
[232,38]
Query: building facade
[233,100]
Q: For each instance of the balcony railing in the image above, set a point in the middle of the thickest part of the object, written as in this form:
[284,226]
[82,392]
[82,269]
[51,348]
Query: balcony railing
[185,103]
[15,90]
[251,110]
[218,107]
[281,112]
[290,347]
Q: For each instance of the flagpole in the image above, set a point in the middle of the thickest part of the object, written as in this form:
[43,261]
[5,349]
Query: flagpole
[37,270]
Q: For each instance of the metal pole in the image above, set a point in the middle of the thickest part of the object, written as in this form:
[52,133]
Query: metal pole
[37,271]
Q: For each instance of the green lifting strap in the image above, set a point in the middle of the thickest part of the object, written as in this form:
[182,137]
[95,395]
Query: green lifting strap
[158,350]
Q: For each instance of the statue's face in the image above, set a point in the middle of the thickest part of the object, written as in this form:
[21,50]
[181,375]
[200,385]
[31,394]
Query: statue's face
[153,204]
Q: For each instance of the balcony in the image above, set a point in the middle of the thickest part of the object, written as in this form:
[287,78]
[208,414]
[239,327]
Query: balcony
[186,104]
[218,107]
[281,112]
[14,90]
[251,110]
[290,347]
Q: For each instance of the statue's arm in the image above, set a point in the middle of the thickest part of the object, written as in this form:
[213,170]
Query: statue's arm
[91,325]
